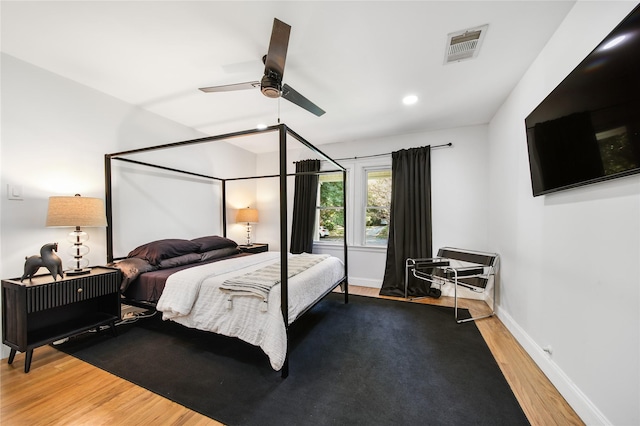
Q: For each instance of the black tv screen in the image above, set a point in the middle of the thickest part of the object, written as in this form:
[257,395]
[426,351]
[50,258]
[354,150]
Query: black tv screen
[588,128]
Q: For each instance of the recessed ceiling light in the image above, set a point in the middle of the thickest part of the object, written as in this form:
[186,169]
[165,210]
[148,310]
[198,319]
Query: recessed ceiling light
[261,126]
[410,99]
[616,41]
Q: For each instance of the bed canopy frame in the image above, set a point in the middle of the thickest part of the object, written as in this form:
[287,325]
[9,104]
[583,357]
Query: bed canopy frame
[283,133]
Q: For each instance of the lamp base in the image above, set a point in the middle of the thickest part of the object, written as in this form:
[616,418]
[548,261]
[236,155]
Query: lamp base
[248,234]
[82,271]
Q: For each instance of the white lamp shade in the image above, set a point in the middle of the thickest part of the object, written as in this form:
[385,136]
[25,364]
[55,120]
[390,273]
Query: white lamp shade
[247,215]
[76,211]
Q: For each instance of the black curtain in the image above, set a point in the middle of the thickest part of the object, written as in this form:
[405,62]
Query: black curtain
[410,219]
[304,206]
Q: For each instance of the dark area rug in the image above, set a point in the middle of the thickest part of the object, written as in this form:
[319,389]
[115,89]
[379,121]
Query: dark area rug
[370,362]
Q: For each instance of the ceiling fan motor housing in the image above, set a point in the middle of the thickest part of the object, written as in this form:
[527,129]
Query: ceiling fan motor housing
[270,86]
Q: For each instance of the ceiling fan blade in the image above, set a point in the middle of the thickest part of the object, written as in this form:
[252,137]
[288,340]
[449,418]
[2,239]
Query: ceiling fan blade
[231,87]
[277,54]
[293,96]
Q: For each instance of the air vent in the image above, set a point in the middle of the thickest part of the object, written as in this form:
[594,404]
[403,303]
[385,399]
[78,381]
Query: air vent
[465,44]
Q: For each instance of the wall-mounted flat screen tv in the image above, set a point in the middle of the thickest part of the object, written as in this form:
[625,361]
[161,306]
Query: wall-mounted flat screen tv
[588,129]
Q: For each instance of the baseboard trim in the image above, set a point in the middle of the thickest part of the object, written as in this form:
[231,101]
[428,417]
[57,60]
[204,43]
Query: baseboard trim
[365,282]
[588,412]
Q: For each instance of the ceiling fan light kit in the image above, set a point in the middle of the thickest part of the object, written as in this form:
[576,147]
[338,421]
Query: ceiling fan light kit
[270,86]
[271,83]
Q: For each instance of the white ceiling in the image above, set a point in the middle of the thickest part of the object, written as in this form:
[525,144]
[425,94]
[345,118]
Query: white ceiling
[356,59]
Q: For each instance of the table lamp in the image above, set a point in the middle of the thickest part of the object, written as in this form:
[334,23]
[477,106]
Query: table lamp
[77,211]
[247,216]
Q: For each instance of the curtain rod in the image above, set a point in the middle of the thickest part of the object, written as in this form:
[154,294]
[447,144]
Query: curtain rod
[389,153]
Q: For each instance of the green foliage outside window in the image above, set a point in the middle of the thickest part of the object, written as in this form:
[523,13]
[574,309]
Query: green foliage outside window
[378,207]
[331,207]
[376,215]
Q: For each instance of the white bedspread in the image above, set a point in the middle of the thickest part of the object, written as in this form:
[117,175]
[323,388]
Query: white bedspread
[192,297]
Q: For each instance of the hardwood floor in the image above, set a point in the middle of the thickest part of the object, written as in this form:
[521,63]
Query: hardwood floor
[62,390]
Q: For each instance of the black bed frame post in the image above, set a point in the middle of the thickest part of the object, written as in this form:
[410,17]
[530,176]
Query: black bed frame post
[108,206]
[224,208]
[284,287]
[344,239]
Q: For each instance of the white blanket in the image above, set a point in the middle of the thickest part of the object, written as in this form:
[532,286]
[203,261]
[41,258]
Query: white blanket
[192,297]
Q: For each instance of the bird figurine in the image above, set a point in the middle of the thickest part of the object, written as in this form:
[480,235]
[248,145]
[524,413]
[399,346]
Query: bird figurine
[48,259]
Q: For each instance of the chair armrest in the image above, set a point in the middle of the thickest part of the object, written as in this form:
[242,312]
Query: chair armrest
[467,271]
[430,263]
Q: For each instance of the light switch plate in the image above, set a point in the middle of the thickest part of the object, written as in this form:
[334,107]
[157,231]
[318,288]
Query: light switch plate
[14,192]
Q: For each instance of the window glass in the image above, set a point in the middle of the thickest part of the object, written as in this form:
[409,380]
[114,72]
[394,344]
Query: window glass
[331,208]
[378,208]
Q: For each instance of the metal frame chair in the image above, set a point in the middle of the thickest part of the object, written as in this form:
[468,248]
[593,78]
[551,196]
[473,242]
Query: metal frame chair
[466,268]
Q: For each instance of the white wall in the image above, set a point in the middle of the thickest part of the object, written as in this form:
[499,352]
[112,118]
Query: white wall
[179,205]
[55,133]
[570,274]
[459,198]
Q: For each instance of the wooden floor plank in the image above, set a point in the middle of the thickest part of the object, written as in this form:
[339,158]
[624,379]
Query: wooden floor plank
[62,390]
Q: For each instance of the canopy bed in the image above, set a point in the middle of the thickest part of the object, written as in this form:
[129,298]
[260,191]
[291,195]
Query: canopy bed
[297,292]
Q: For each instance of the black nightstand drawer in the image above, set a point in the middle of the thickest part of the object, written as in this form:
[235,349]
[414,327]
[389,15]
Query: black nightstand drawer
[48,296]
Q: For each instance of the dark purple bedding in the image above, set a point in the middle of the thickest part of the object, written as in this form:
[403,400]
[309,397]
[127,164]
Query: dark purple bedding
[149,285]
[146,268]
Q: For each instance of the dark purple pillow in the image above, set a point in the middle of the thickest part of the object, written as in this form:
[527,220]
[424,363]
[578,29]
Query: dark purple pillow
[220,253]
[131,269]
[185,259]
[214,242]
[154,252]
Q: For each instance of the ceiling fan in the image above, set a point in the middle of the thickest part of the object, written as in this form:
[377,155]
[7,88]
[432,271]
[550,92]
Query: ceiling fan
[271,83]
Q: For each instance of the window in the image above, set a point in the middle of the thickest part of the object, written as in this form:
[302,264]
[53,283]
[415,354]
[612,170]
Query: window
[368,205]
[331,207]
[378,208]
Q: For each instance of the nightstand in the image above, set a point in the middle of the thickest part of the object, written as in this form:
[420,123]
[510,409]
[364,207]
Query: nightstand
[41,311]
[255,248]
